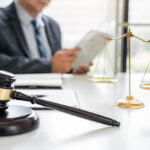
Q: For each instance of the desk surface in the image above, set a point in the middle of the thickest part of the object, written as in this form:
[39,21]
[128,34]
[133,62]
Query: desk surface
[59,131]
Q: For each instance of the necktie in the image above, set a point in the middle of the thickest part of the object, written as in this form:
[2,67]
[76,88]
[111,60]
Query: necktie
[38,38]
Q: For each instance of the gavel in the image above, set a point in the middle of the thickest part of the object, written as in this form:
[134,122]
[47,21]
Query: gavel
[7,93]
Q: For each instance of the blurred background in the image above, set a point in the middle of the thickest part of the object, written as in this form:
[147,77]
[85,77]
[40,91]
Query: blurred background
[77,17]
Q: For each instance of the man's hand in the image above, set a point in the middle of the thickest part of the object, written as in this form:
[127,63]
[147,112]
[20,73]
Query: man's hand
[82,69]
[63,60]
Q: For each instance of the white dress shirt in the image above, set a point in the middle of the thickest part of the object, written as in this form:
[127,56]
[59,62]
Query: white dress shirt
[28,30]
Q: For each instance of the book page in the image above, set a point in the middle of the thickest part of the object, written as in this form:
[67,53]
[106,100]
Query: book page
[45,80]
[91,45]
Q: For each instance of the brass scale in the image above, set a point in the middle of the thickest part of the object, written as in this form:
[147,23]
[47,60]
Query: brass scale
[129,101]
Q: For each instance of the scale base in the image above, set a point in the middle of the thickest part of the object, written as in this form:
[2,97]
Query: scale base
[17,120]
[129,102]
[103,80]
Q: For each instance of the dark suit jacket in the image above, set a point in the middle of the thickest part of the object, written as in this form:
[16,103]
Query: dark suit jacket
[14,52]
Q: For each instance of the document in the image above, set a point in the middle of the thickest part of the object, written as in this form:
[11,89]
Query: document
[50,80]
[91,45]
[66,97]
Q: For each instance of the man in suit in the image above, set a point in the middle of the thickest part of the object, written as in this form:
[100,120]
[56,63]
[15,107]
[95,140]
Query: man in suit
[31,42]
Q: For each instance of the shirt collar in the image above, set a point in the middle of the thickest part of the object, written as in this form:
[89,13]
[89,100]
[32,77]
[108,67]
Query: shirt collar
[25,17]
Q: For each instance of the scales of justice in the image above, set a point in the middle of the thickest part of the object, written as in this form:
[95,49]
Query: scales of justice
[129,101]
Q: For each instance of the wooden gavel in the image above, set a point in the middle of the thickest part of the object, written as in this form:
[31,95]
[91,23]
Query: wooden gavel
[7,92]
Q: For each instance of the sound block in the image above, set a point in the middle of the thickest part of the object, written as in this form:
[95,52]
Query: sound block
[17,120]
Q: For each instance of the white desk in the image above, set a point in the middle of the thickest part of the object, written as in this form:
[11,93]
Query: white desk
[59,131]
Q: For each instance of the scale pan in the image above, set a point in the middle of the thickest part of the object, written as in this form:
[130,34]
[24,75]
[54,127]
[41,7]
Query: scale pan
[145,86]
[103,80]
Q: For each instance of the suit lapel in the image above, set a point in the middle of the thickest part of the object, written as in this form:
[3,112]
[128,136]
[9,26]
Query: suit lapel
[49,34]
[15,23]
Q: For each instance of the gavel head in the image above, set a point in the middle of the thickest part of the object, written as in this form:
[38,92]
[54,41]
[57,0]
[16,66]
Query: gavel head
[6,88]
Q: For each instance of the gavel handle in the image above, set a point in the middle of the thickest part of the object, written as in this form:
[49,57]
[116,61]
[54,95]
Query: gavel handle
[66,109]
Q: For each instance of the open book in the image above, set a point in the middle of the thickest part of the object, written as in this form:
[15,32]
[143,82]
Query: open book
[45,80]
[91,45]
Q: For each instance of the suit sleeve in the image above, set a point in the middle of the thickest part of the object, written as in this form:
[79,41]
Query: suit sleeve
[21,64]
